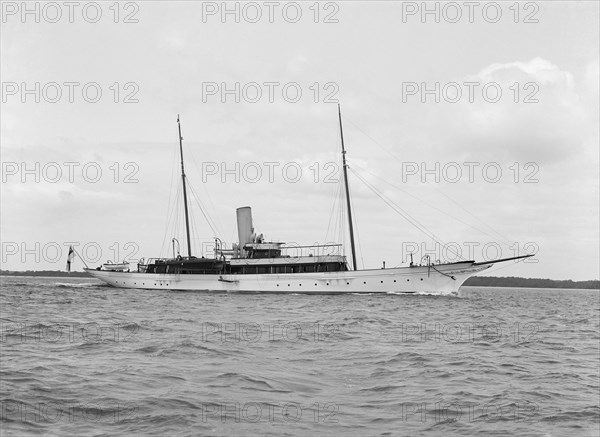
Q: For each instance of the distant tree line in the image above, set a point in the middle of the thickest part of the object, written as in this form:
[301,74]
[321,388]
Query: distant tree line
[512,281]
[53,273]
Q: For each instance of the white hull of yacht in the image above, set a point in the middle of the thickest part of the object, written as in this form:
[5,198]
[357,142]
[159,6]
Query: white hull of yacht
[441,279]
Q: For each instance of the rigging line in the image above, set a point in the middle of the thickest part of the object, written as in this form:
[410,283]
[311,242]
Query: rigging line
[331,229]
[427,203]
[342,221]
[231,236]
[335,194]
[208,196]
[170,216]
[372,139]
[397,208]
[335,212]
[199,204]
[173,222]
[178,219]
[207,217]
[335,231]
[204,211]
[208,221]
[426,181]
[217,231]
[169,210]
[196,197]
[333,216]
[196,239]
[179,223]
[498,234]
[358,236]
[442,273]
[193,231]
[405,215]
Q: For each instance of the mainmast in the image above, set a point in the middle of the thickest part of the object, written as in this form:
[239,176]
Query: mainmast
[185,205]
[345,167]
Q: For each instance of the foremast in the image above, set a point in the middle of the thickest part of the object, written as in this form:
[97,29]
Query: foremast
[345,168]
[185,204]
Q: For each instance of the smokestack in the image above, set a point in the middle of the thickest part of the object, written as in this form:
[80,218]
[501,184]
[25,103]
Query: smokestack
[245,229]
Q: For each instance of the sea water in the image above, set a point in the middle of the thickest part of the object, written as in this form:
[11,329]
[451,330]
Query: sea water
[81,358]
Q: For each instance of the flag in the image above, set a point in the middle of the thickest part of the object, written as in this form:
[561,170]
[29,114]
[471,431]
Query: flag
[70,258]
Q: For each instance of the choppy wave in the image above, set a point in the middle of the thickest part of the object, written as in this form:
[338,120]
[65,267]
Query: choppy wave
[121,362]
[76,284]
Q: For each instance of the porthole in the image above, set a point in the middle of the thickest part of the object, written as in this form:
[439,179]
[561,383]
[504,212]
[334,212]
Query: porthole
[315,284]
[408,280]
[382,282]
[394,280]
[347,283]
[364,282]
[278,285]
[421,279]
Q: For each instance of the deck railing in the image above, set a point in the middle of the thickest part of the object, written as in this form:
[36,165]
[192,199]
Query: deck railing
[293,250]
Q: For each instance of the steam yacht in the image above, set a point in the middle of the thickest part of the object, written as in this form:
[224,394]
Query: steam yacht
[256,265]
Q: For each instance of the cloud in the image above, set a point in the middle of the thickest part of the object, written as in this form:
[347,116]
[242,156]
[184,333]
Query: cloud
[173,40]
[540,117]
[297,65]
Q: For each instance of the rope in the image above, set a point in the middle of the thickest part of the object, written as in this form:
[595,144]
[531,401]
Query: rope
[169,211]
[209,220]
[172,218]
[333,217]
[207,192]
[505,241]
[357,235]
[77,253]
[441,273]
[427,203]
[404,214]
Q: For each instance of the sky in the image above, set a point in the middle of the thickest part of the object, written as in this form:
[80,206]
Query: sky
[477,124]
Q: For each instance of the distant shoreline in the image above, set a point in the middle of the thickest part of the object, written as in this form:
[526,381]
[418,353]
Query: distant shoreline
[46,273]
[475,281]
[517,282]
